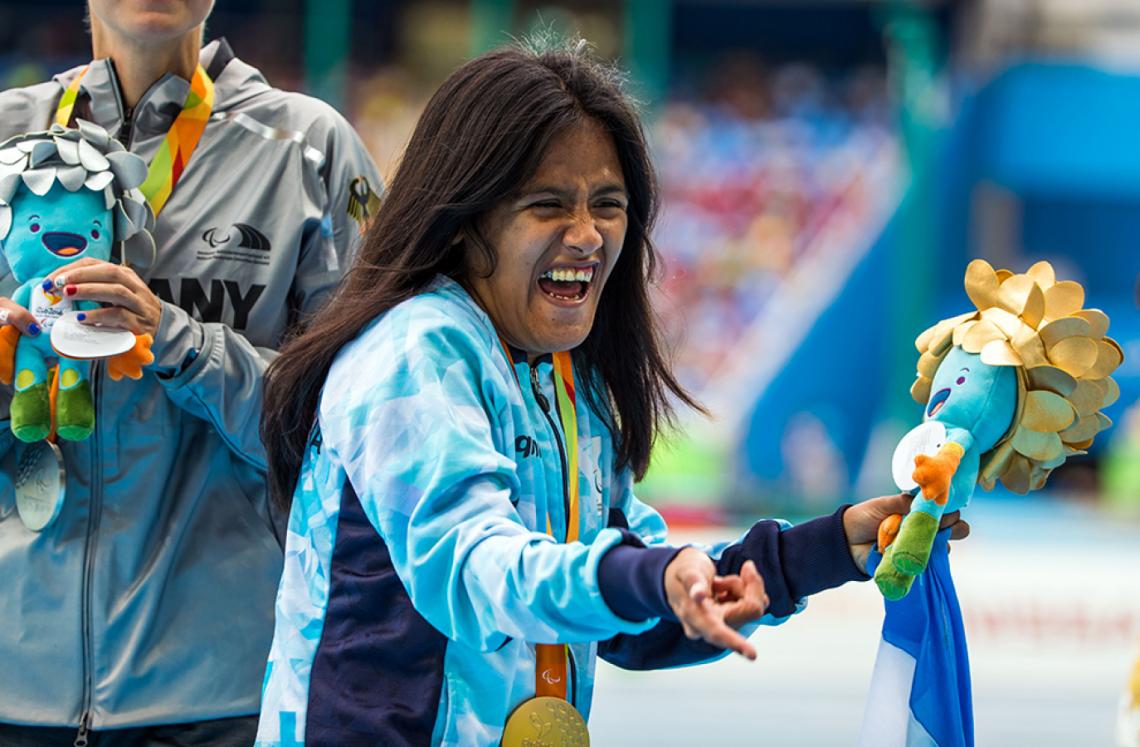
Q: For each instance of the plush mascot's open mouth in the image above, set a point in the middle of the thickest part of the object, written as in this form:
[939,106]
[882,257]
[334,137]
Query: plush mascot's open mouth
[64,244]
[937,401]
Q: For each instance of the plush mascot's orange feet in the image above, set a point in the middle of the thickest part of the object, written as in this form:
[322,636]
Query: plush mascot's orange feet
[9,336]
[888,530]
[130,363]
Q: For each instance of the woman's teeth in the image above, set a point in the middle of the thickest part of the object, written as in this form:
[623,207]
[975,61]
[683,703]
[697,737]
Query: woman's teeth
[566,283]
[569,275]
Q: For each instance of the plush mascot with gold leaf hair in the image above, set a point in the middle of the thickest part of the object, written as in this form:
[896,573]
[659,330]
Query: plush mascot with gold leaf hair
[1011,390]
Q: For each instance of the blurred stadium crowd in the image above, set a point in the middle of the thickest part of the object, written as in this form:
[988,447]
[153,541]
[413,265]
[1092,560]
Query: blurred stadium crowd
[765,119]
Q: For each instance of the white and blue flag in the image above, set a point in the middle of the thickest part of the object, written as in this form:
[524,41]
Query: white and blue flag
[920,688]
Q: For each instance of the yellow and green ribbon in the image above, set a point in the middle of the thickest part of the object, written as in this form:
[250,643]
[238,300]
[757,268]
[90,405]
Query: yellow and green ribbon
[169,163]
[67,101]
[551,658]
[568,414]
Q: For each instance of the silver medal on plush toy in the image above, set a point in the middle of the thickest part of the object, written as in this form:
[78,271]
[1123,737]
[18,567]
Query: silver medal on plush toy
[40,484]
[925,439]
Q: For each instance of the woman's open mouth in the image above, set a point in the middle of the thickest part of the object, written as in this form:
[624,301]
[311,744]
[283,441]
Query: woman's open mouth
[567,284]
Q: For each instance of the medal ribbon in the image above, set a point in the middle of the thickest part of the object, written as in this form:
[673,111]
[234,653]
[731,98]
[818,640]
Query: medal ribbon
[67,101]
[182,138]
[550,658]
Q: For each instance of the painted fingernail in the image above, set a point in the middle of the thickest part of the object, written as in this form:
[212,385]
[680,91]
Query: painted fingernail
[48,285]
[81,316]
[69,290]
[61,281]
[33,329]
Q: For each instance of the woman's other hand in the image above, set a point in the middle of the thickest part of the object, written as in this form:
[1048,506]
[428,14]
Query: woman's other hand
[128,302]
[709,606]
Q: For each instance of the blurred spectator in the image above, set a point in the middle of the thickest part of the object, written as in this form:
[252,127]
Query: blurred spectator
[753,162]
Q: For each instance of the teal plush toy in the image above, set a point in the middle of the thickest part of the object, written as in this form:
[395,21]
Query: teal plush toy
[65,194]
[1011,391]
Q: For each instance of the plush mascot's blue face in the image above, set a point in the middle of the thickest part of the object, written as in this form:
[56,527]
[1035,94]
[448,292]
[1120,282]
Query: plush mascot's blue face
[974,396]
[56,229]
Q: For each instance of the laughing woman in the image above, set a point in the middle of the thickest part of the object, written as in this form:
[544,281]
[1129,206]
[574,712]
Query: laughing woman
[460,429]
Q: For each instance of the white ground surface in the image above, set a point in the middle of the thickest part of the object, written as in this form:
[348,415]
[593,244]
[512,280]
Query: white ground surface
[1051,596]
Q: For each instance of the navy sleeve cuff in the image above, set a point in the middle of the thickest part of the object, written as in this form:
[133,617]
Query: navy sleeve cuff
[816,556]
[797,562]
[632,579]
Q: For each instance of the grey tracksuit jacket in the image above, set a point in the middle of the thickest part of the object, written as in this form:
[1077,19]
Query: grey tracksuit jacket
[150,599]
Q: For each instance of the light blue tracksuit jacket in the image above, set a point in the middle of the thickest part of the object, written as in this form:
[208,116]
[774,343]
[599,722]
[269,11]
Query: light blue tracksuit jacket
[418,575]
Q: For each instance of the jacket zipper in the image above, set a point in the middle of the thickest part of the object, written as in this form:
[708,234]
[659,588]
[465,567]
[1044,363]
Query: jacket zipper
[125,128]
[94,515]
[81,737]
[96,509]
[544,404]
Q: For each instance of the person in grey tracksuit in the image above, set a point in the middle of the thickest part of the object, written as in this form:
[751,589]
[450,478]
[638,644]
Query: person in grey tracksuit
[147,606]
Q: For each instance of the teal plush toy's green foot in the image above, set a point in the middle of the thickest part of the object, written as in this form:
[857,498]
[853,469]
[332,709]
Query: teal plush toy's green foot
[892,584]
[75,413]
[912,547]
[31,414]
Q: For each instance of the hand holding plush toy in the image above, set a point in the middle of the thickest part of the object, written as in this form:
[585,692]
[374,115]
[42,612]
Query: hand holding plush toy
[65,195]
[1011,391]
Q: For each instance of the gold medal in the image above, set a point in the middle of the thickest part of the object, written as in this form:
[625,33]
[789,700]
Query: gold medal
[545,722]
[40,484]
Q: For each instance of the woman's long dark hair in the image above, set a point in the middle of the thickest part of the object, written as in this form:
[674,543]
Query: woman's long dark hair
[480,138]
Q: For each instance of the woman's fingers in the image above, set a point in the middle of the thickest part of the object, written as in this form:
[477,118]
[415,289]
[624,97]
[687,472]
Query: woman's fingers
[15,315]
[89,270]
[700,599]
[698,587]
[742,597]
[112,316]
[714,611]
[706,621]
[752,601]
[960,529]
[893,504]
[112,293]
[727,588]
[108,283]
[718,633]
[861,521]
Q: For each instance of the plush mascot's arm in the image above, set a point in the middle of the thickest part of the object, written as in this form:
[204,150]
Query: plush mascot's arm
[10,335]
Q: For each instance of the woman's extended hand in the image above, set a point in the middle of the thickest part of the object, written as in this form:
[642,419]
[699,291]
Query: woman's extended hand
[709,606]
